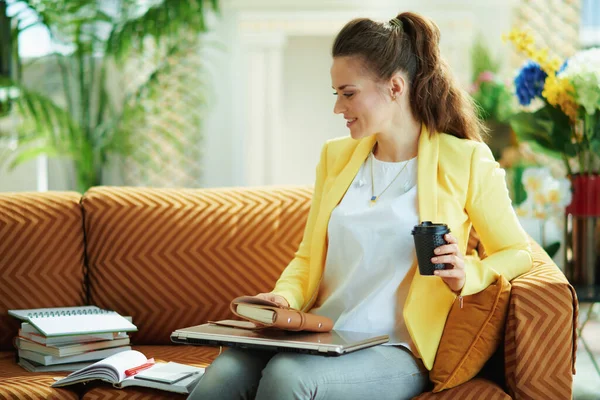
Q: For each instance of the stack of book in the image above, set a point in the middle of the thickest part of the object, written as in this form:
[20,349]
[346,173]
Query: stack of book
[68,339]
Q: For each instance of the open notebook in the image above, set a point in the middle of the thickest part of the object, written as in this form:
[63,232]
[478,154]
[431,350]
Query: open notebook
[171,377]
[65,321]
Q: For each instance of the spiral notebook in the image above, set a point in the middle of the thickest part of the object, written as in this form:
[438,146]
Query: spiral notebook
[66,321]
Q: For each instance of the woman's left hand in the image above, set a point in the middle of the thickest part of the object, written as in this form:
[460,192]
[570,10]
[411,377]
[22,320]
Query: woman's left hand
[450,254]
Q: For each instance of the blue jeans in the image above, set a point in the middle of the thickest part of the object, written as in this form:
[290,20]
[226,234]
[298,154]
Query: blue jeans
[380,372]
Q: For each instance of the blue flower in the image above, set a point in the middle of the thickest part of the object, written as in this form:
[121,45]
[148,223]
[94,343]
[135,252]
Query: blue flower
[530,82]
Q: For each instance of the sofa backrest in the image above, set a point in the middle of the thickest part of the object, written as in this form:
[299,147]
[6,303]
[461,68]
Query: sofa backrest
[41,255]
[173,258]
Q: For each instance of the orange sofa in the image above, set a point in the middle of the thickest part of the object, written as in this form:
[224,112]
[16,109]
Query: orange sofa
[175,258]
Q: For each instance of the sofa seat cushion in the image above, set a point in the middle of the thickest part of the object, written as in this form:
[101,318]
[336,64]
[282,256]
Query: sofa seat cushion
[199,356]
[17,383]
[475,389]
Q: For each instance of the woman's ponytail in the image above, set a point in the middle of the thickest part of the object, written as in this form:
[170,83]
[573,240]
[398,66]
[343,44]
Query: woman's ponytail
[410,43]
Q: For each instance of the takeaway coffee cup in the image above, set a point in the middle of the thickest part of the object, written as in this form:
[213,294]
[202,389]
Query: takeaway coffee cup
[428,236]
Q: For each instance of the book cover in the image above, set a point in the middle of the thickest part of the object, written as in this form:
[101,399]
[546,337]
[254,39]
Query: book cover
[32,366]
[52,360]
[63,350]
[28,332]
[66,321]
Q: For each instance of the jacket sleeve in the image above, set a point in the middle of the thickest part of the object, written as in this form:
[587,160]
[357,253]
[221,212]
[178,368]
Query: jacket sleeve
[490,209]
[293,282]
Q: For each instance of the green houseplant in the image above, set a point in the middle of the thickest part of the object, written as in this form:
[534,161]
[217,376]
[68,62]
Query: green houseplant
[93,124]
[492,96]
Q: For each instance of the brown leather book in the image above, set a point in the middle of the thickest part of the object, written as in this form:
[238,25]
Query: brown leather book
[260,314]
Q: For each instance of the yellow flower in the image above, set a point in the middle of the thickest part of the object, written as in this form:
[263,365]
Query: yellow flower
[532,184]
[540,214]
[553,196]
[539,199]
[558,91]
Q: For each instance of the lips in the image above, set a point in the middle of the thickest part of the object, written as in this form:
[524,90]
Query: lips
[350,121]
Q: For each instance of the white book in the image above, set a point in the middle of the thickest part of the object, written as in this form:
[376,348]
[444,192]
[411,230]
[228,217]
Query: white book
[24,315]
[172,377]
[63,350]
[32,366]
[65,321]
[89,356]
[29,332]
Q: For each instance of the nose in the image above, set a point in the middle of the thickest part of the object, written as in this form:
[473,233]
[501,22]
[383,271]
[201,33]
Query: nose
[338,108]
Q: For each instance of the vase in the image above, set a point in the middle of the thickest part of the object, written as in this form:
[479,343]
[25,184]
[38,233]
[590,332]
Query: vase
[582,231]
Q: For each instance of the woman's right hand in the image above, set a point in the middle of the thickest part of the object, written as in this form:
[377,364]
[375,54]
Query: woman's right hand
[275,298]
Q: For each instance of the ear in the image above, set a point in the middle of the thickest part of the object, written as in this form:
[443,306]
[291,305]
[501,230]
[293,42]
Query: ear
[397,85]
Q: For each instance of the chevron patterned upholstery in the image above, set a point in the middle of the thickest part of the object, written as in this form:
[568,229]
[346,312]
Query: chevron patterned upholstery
[16,383]
[542,316]
[175,258]
[41,255]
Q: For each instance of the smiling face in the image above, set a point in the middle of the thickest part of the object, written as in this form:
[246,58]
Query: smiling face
[365,103]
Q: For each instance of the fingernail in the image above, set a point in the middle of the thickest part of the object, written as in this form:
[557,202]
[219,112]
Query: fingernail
[437,251]
[434,259]
[436,272]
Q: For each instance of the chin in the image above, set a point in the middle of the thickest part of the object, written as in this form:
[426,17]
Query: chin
[358,134]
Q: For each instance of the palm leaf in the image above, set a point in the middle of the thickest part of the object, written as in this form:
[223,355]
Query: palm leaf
[159,21]
[32,153]
[44,121]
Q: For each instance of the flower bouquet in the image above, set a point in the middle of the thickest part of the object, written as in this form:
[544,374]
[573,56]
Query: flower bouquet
[566,121]
[562,114]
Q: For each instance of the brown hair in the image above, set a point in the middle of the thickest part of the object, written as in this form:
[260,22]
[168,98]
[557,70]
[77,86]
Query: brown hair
[410,43]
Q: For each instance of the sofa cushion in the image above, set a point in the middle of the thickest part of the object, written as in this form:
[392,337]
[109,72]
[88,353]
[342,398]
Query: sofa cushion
[41,255]
[473,331]
[176,258]
[475,389]
[17,383]
[199,356]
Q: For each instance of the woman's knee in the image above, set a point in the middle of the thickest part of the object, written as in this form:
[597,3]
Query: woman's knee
[234,374]
[286,376]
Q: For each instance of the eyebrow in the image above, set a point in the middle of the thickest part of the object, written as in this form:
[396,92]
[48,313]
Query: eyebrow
[342,87]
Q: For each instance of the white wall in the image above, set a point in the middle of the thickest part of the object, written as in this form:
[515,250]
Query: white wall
[308,107]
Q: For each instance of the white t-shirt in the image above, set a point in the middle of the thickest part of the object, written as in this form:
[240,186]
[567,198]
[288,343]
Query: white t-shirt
[370,252]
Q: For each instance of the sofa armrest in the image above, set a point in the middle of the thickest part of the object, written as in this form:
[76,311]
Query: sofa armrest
[541,339]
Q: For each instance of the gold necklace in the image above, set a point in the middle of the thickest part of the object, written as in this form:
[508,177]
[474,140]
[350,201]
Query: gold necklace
[373,197]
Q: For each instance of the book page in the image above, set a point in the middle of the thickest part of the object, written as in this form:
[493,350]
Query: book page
[159,375]
[111,369]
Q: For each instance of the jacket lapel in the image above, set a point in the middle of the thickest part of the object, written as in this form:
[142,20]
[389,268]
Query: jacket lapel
[346,176]
[427,170]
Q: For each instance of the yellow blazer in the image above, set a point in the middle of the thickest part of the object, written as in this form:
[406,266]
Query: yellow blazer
[458,183]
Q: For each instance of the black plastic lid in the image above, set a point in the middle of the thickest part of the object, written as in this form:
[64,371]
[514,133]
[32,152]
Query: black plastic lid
[429,228]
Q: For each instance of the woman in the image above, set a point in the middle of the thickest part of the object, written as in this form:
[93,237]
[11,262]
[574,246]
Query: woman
[411,127]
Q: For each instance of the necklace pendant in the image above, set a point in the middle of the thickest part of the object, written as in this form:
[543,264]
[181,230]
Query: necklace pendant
[373,201]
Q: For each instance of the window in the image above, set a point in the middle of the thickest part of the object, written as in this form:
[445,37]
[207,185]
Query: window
[590,23]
